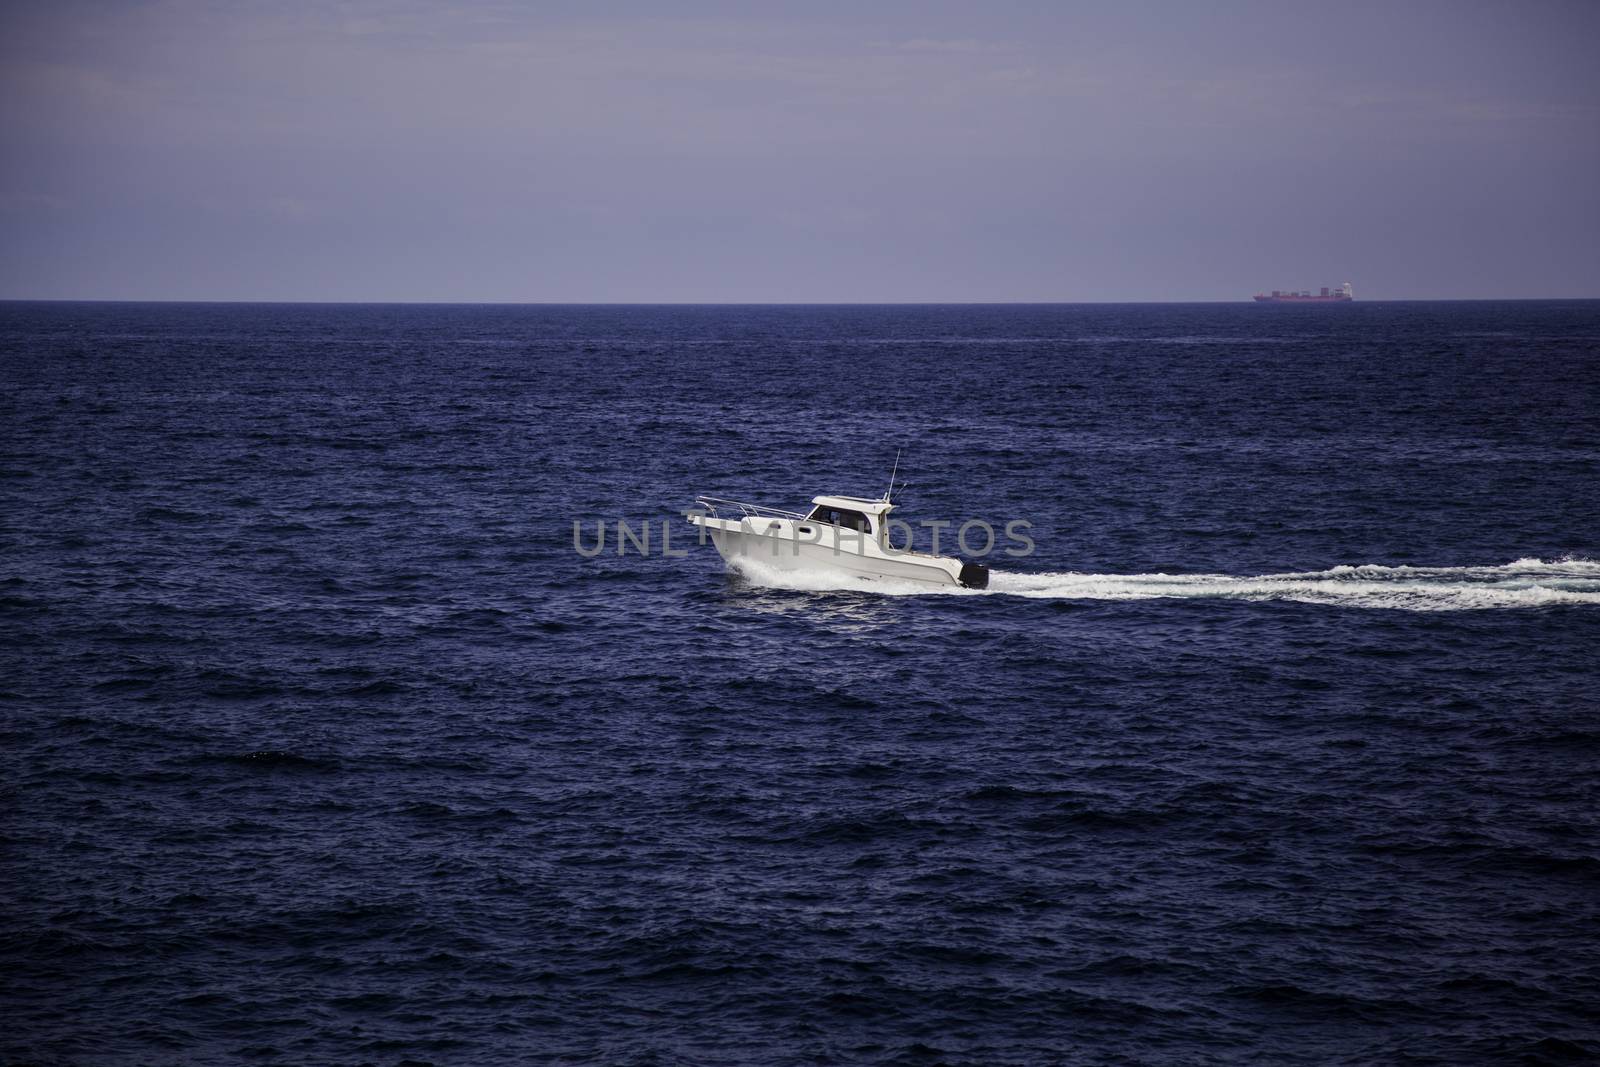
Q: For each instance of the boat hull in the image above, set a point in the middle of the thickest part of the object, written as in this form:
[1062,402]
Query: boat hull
[780,545]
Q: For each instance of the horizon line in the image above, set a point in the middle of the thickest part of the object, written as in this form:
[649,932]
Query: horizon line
[759,303]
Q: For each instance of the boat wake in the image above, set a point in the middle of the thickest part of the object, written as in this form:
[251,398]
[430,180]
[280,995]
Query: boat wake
[1520,584]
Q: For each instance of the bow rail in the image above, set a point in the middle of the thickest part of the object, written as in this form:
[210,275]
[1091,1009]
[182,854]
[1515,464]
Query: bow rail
[748,511]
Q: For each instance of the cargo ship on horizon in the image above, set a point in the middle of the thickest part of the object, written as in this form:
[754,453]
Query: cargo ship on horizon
[1306,296]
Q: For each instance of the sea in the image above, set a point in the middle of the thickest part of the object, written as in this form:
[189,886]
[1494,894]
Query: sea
[321,742]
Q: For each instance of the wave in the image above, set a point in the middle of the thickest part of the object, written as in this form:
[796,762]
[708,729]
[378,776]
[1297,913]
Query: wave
[1521,583]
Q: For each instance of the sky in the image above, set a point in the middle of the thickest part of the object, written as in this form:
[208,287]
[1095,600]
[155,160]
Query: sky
[805,152]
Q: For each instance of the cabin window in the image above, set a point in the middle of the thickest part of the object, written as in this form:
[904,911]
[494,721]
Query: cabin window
[850,520]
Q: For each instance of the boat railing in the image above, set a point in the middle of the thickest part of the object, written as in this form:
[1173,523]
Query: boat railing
[710,504]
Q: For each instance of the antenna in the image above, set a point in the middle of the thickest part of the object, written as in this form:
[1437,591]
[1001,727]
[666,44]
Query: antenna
[889,493]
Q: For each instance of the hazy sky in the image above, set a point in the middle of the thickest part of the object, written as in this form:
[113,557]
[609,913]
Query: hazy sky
[812,151]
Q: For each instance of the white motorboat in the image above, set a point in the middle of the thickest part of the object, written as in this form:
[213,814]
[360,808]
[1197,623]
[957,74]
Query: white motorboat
[840,533]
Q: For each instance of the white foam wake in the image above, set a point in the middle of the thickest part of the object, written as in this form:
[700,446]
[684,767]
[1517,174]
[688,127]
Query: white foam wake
[1521,583]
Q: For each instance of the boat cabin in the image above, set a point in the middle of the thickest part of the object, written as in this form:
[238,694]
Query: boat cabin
[851,513]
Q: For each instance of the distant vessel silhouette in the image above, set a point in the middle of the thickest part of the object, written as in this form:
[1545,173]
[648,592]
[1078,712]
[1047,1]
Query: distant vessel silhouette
[1339,295]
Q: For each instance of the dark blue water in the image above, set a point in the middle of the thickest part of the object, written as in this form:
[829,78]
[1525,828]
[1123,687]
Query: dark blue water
[322,745]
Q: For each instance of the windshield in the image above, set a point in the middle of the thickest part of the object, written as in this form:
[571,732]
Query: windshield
[850,520]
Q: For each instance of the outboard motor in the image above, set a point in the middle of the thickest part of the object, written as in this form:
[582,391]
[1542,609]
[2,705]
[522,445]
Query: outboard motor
[974,575]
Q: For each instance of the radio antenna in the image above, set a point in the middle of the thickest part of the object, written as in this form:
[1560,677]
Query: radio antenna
[889,493]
